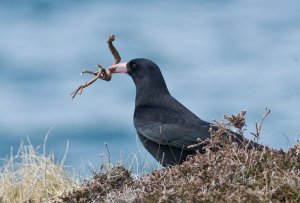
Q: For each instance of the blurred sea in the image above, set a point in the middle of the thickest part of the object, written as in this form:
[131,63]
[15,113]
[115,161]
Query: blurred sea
[217,57]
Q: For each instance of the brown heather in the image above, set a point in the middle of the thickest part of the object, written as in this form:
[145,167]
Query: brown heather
[230,174]
[227,172]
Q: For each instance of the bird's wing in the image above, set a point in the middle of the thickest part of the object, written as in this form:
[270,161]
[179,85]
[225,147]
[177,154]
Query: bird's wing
[174,135]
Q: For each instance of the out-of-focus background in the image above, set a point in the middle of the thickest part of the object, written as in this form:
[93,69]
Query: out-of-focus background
[217,57]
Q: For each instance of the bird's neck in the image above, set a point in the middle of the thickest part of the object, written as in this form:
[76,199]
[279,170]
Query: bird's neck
[150,94]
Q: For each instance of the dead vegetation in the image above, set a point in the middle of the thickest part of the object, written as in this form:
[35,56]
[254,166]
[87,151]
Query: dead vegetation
[114,178]
[229,174]
[30,176]
[232,174]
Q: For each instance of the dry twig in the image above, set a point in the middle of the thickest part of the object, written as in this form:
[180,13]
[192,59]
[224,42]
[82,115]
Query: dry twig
[104,74]
[259,126]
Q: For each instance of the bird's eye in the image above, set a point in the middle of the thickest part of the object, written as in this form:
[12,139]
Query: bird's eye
[133,66]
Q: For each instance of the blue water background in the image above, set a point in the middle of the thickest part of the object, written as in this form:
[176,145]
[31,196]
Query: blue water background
[217,57]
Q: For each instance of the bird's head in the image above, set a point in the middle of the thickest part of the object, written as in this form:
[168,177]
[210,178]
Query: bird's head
[145,74]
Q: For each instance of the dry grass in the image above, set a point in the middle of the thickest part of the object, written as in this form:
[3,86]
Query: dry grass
[227,172]
[232,173]
[114,179]
[30,176]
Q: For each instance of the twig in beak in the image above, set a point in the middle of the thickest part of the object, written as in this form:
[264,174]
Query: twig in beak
[81,87]
[90,72]
[113,68]
[113,50]
[102,73]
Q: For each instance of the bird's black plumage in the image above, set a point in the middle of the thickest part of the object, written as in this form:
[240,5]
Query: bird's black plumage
[165,126]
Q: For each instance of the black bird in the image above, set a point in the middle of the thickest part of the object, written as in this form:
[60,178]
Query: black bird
[165,126]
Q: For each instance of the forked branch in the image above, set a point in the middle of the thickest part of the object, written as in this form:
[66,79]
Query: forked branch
[104,74]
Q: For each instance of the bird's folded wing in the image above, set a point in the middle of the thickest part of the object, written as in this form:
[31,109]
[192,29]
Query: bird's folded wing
[174,135]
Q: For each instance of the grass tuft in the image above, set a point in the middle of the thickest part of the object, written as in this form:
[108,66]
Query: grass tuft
[30,176]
